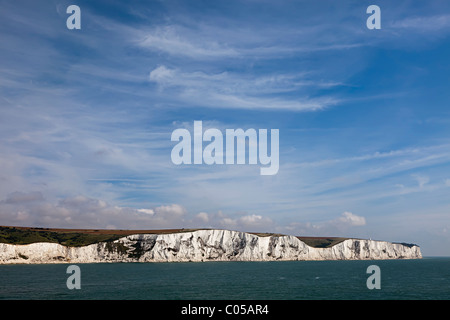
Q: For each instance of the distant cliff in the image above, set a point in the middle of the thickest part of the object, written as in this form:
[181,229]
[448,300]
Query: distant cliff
[204,245]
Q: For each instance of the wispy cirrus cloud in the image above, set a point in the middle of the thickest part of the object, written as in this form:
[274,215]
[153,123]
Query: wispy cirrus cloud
[237,91]
[424,24]
[401,159]
[229,82]
[220,43]
[172,40]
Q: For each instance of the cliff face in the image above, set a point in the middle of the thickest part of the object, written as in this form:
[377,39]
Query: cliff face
[204,245]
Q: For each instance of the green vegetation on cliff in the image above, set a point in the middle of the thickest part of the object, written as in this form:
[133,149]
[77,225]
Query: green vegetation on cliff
[70,237]
[83,237]
[17,235]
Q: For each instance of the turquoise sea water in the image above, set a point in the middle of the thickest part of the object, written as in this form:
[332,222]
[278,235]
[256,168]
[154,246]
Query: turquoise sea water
[427,278]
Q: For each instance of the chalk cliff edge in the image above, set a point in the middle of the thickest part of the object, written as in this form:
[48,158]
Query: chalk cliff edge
[204,245]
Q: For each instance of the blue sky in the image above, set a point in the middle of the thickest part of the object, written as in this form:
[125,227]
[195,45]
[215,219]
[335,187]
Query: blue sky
[87,115]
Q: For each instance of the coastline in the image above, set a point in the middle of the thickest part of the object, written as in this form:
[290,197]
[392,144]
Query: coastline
[202,246]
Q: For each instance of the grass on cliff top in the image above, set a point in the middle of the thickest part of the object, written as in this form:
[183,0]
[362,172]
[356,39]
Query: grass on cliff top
[321,242]
[83,237]
[18,235]
[70,237]
[316,242]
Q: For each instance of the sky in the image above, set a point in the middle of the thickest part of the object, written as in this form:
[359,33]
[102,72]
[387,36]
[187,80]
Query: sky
[86,116]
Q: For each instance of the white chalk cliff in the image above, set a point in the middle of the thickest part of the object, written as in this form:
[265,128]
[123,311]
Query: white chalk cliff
[204,245]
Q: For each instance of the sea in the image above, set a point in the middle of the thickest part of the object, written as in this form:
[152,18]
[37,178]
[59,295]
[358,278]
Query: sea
[422,279]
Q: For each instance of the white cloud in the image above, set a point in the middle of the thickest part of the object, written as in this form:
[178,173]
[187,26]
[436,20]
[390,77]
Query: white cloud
[211,41]
[351,219]
[236,91]
[147,211]
[421,180]
[336,227]
[32,209]
[203,216]
[251,218]
[161,75]
[179,41]
[424,24]
[28,209]
[174,210]
[228,223]
[249,223]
